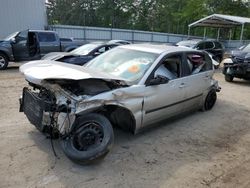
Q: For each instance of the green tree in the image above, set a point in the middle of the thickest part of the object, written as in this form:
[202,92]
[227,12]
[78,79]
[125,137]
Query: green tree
[150,15]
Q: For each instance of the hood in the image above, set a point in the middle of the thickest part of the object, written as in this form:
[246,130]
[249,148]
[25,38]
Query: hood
[57,55]
[37,71]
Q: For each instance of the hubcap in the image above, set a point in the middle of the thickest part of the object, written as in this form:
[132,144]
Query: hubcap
[88,136]
[2,61]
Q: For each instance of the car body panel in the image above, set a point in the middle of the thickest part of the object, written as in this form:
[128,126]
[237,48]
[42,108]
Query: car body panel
[147,104]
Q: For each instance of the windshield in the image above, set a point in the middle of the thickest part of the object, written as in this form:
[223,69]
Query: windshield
[9,37]
[127,64]
[189,43]
[246,48]
[84,49]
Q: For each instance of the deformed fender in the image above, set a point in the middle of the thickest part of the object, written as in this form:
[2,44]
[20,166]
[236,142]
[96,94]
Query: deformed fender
[131,101]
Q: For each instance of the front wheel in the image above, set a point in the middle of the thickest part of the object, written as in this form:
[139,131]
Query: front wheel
[3,61]
[229,78]
[91,139]
[210,100]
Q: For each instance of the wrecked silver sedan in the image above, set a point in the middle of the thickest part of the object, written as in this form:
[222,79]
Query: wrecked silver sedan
[131,86]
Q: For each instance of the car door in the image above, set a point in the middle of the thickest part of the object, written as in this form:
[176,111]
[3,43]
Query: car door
[164,100]
[198,72]
[19,46]
[48,42]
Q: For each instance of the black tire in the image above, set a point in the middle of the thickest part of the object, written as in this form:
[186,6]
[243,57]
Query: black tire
[229,78]
[91,139]
[4,61]
[210,100]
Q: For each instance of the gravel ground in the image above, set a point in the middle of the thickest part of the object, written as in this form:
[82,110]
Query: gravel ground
[210,149]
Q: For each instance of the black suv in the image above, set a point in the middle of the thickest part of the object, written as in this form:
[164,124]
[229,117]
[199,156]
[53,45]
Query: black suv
[213,47]
[237,64]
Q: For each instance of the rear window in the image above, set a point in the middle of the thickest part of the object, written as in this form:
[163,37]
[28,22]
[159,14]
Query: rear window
[46,37]
[209,45]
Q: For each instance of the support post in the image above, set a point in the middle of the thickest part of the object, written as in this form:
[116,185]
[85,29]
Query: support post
[230,34]
[204,34]
[242,31]
[188,31]
[218,34]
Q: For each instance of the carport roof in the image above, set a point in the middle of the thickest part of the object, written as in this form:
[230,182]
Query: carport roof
[220,20]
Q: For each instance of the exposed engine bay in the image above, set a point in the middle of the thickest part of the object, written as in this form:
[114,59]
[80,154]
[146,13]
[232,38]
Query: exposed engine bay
[55,105]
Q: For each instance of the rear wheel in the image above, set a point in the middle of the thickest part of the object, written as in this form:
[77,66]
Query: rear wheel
[3,61]
[229,78]
[91,139]
[210,100]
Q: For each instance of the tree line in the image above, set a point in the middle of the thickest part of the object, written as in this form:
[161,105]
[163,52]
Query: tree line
[170,16]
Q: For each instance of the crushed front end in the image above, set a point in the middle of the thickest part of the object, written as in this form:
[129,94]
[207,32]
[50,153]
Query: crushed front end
[47,111]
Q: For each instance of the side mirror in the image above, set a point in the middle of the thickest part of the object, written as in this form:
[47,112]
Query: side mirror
[157,80]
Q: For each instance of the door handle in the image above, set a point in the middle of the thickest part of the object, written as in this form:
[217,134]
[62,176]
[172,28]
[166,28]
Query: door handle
[182,85]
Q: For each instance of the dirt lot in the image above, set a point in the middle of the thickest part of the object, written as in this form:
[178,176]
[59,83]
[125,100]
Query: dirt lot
[210,149]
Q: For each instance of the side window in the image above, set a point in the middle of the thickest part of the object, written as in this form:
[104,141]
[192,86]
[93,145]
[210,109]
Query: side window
[109,47]
[198,63]
[209,45]
[22,37]
[170,67]
[46,37]
[200,46]
[101,50]
[218,45]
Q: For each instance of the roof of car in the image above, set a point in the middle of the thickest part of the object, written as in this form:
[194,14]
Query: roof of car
[42,31]
[155,48]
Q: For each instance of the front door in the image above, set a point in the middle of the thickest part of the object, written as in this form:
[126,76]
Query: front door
[20,46]
[165,100]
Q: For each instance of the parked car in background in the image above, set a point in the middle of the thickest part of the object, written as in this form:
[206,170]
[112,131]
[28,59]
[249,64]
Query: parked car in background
[80,55]
[32,45]
[213,47]
[237,64]
[131,86]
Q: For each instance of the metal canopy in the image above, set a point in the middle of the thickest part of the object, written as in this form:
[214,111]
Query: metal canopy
[221,21]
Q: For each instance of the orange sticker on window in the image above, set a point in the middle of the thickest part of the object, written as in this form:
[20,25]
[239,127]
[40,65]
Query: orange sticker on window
[134,69]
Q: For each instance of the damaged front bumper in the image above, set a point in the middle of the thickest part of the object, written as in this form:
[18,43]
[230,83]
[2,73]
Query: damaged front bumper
[36,109]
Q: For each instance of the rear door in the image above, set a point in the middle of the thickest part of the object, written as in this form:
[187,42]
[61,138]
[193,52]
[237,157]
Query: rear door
[48,42]
[198,71]
[20,46]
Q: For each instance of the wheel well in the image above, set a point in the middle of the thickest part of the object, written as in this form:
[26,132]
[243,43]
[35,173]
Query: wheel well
[119,116]
[6,55]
